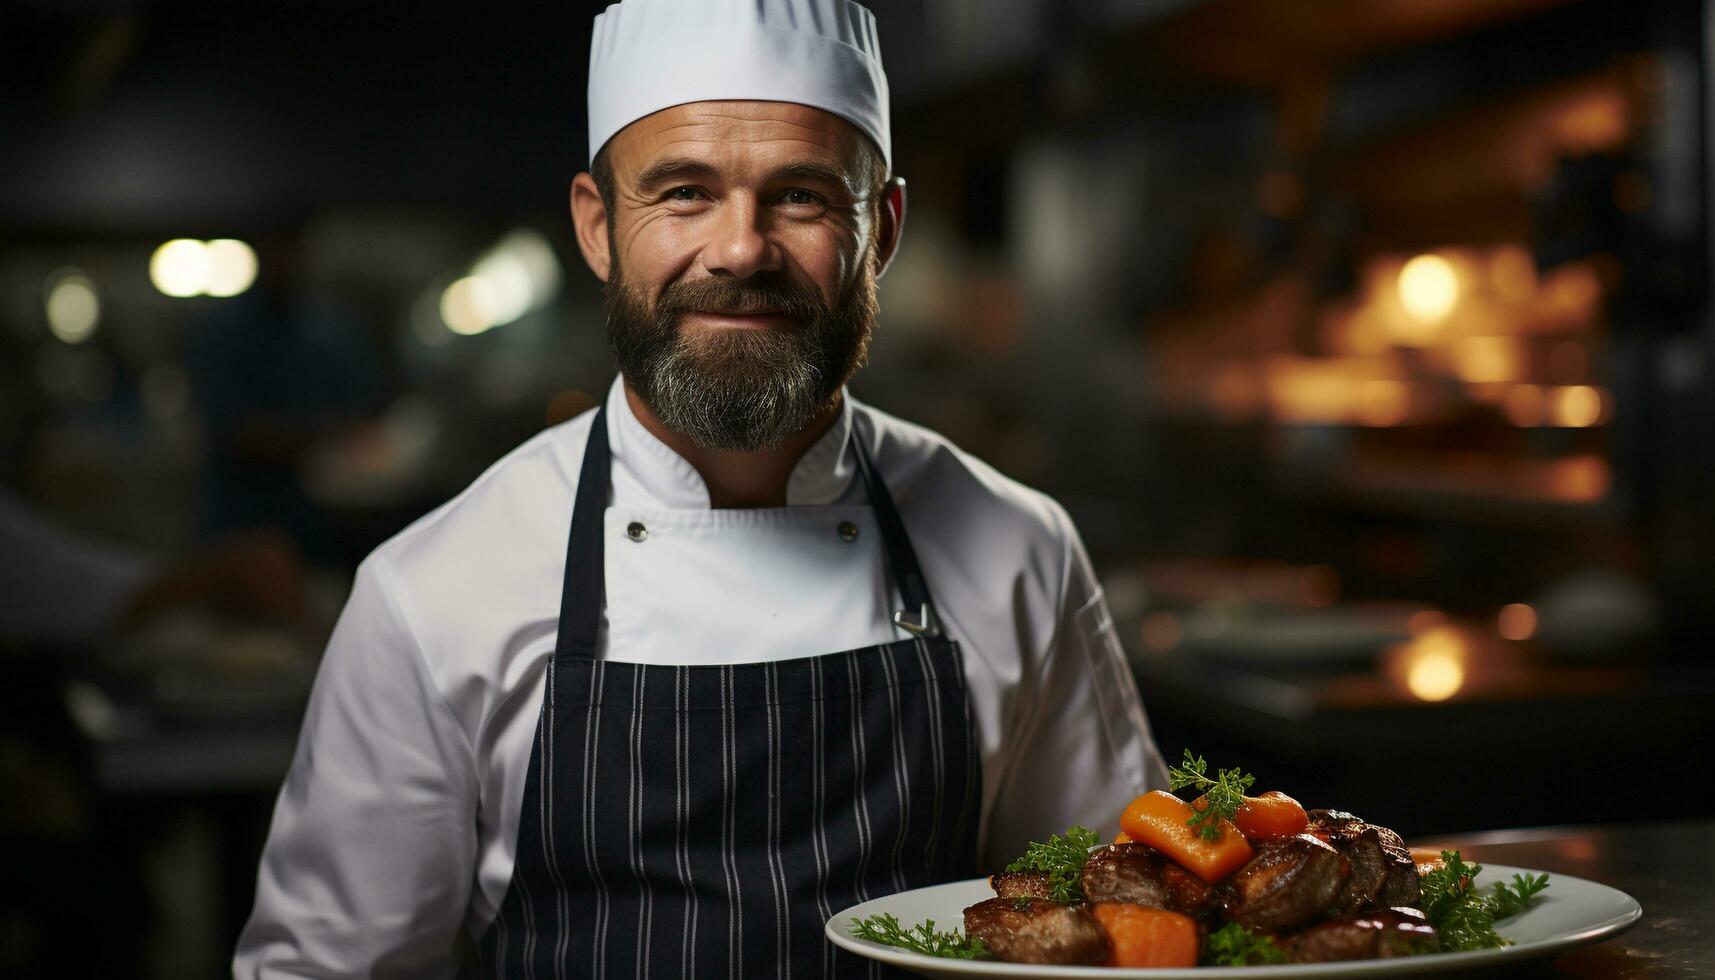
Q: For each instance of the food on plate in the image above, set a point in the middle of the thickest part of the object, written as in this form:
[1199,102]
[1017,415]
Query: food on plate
[1035,930]
[1226,879]
[1145,936]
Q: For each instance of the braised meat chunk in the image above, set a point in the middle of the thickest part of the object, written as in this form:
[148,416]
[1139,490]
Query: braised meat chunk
[1030,930]
[1374,934]
[1022,884]
[1290,882]
[1383,874]
[1140,875]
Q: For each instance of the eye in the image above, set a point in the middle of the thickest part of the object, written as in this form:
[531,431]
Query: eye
[686,193]
[799,197]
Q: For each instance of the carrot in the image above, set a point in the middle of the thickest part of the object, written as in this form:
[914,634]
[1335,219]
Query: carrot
[1142,936]
[1158,818]
[1427,859]
[1122,838]
[1273,814]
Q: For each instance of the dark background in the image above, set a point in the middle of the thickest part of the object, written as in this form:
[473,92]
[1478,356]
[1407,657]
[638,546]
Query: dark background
[1448,570]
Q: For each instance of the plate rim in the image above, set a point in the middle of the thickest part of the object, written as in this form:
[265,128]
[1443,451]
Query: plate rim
[1596,931]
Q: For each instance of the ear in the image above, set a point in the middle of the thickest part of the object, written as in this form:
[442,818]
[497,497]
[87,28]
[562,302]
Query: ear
[589,223]
[892,223]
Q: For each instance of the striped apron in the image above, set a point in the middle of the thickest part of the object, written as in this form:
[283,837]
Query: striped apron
[707,820]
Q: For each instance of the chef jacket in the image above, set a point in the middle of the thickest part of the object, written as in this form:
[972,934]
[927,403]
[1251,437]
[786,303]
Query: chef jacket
[397,823]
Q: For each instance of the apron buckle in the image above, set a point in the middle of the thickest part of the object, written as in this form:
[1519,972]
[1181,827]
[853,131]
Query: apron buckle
[923,625]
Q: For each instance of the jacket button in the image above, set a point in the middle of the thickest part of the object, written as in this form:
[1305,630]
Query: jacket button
[636,531]
[848,531]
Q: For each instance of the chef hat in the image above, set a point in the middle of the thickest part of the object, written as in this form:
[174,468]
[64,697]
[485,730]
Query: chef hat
[648,55]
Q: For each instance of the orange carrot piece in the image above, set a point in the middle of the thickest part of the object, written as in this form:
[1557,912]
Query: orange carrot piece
[1158,818]
[1122,838]
[1142,936]
[1273,814]
[1427,859]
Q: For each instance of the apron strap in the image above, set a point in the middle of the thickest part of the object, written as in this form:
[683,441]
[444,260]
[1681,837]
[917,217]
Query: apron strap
[584,590]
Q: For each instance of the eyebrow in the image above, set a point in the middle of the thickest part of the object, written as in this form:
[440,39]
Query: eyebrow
[664,172]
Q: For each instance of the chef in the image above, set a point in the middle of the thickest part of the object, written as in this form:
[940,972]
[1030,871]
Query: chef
[675,681]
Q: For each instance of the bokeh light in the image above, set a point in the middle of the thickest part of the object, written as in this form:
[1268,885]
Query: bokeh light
[73,306]
[1428,287]
[1435,665]
[1516,621]
[180,268]
[231,267]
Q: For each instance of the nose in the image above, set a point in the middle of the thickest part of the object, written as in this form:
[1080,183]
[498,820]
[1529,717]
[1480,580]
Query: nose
[740,246]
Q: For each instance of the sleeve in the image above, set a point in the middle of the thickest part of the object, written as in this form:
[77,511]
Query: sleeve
[1082,745]
[370,859]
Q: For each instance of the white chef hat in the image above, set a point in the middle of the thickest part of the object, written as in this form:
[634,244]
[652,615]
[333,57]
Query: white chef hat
[648,55]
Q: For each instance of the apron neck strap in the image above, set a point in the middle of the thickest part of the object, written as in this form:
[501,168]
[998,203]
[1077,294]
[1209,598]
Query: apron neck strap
[580,617]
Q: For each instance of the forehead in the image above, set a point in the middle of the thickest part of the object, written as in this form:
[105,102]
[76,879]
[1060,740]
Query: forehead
[740,134]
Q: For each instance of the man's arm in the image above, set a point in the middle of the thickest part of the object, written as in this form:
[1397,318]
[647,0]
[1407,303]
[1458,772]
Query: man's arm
[372,853]
[1082,745]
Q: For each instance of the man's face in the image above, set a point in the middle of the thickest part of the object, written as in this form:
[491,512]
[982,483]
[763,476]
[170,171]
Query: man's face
[742,251]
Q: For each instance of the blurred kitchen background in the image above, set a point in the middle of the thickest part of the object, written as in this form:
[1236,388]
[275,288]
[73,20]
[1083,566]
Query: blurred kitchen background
[1368,341]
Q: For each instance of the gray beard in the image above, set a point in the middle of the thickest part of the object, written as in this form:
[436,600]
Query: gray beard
[741,390]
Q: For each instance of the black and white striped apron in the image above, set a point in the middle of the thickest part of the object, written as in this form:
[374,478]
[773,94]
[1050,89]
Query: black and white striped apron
[706,820]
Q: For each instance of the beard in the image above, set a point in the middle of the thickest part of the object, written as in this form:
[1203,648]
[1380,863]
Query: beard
[745,389]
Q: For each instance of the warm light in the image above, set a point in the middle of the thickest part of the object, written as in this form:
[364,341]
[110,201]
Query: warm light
[468,306]
[1581,479]
[1524,405]
[1577,407]
[1424,620]
[1483,359]
[1428,287]
[1434,665]
[1512,273]
[1383,403]
[180,267]
[231,267]
[1516,621]
[73,308]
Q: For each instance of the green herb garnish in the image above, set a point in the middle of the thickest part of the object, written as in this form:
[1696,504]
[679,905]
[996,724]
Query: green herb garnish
[1463,915]
[921,938]
[1234,945]
[1062,860]
[1222,795]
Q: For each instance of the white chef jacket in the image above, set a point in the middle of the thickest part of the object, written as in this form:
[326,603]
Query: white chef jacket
[397,823]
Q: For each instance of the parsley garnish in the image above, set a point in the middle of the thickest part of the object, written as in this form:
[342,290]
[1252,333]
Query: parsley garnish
[1062,860]
[1222,795]
[1234,945]
[1463,915]
[922,938]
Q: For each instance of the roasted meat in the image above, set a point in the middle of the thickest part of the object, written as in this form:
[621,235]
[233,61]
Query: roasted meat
[1383,874]
[1141,875]
[1372,934]
[1022,884]
[1030,930]
[1290,882]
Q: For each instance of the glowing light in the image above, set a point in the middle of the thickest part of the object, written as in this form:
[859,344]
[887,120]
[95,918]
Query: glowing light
[1577,407]
[1383,403]
[1512,273]
[1524,405]
[1516,621]
[468,306]
[1581,479]
[1425,620]
[231,267]
[1484,359]
[73,307]
[1434,665]
[180,267]
[1428,287]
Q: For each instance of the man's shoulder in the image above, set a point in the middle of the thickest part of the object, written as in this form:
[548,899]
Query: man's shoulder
[931,478]
[508,521]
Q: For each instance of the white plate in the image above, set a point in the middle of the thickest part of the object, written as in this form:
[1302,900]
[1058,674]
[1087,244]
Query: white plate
[1570,913]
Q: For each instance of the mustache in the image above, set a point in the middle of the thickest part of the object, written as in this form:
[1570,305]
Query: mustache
[761,293]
